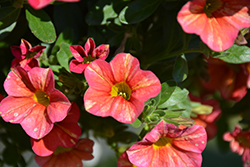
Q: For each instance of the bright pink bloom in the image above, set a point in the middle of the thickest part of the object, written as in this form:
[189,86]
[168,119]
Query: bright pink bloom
[87,55]
[68,157]
[64,134]
[217,22]
[39,4]
[239,143]
[33,101]
[26,55]
[230,79]
[119,88]
[168,146]
[208,121]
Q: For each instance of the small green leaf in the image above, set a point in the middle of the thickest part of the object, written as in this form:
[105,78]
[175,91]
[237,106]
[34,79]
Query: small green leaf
[180,69]
[138,11]
[136,123]
[205,49]
[41,25]
[176,97]
[63,55]
[8,15]
[167,89]
[235,54]
[4,32]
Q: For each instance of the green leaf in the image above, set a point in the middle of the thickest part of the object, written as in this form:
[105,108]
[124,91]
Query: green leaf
[136,123]
[167,89]
[63,55]
[180,69]
[104,10]
[138,10]
[176,97]
[41,25]
[8,15]
[235,54]
[4,32]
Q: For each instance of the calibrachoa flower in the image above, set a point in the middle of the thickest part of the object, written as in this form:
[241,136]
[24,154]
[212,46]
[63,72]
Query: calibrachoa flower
[123,161]
[230,79]
[208,120]
[87,55]
[26,55]
[39,4]
[64,134]
[119,88]
[167,146]
[68,157]
[217,22]
[33,101]
[239,143]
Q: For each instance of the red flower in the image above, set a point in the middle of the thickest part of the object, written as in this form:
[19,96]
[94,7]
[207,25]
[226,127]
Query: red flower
[33,101]
[217,22]
[39,4]
[64,134]
[208,121]
[119,88]
[168,146]
[68,157]
[230,79]
[239,143]
[26,55]
[84,57]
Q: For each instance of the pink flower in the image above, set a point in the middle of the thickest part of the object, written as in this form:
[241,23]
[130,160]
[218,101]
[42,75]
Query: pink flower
[119,88]
[239,143]
[70,157]
[39,4]
[26,55]
[208,121]
[168,146]
[64,134]
[33,101]
[84,57]
[217,22]
[230,79]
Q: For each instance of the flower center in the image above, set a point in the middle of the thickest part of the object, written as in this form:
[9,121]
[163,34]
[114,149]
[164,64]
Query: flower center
[61,150]
[211,6]
[30,55]
[121,89]
[162,142]
[41,97]
[88,59]
[243,140]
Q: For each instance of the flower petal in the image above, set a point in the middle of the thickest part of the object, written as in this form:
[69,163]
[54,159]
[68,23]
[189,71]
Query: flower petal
[37,124]
[39,4]
[89,47]
[25,46]
[15,110]
[101,52]
[18,83]
[16,51]
[78,52]
[59,106]
[77,67]
[99,75]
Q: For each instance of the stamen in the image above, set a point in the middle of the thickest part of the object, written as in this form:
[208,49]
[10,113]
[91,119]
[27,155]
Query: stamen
[41,97]
[88,59]
[211,6]
[121,89]
[162,142]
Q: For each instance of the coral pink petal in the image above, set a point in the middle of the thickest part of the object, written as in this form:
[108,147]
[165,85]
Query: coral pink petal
[69,0]
[193,139]
[78,52]
[39,4]
[16,51]
[218,34]
[28,64]
[228,137]
[59,106]
[98,102]
[89,46]
[126,111]
[18,83]
[99,75]
[101,52]
[37,124]
[42,79]
[124,67]
[145,85]
[15,110]
[77,67]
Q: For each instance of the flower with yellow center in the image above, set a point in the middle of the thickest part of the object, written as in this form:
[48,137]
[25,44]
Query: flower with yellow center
[119,88]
